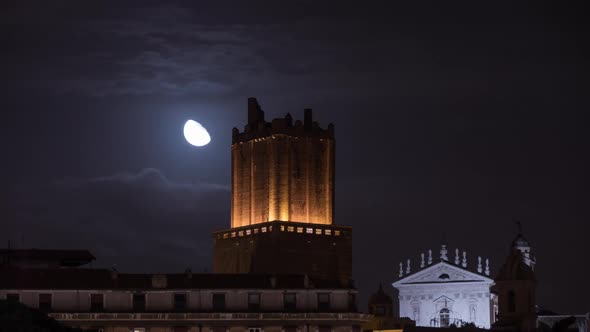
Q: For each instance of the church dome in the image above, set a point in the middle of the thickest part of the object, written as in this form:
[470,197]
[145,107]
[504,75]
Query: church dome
[380,297]
[520,241]
[381,304]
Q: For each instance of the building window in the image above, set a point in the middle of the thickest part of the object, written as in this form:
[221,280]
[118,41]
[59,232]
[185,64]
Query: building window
[219,302]
[138,302]
[96,302]
[511,301]
[180,302]
[254,301]
[290,329]
[444,317]
[255,329]
[352,302]
[324,301]
[45,302]
[290,302]
[12,297]
[472,313]
[416,312]
[324,329]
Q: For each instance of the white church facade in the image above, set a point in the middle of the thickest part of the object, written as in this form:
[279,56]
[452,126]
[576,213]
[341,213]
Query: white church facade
[446,292]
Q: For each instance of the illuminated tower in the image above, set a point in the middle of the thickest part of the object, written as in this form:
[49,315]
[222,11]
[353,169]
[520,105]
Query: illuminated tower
[282,206]
[282,171]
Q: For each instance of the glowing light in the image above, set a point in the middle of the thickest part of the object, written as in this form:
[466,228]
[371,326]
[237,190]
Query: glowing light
[196,134]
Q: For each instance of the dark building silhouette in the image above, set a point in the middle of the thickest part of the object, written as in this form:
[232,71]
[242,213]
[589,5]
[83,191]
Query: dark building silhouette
[381,304]
[283,201]
[44,258]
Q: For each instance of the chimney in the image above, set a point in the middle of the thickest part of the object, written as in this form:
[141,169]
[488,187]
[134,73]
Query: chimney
[307,119]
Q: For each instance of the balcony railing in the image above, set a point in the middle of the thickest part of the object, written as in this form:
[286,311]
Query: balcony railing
[284,226]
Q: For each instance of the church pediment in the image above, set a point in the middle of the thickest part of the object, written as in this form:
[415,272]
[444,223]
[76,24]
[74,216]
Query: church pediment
[442,272]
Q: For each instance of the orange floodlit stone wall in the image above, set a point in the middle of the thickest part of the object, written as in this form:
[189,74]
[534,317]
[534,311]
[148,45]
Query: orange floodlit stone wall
[282,170]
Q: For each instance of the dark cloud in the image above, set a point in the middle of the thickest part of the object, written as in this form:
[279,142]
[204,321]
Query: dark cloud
[138,221]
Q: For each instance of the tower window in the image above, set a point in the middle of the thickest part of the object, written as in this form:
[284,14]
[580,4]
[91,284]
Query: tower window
[444,317]
[379,310]
[511,301]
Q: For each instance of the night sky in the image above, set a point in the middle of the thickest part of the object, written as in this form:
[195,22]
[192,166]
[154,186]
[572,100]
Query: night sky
[452,121]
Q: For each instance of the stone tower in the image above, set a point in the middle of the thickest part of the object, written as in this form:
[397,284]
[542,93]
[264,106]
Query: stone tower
[282,202]
[282,171]
[515,286]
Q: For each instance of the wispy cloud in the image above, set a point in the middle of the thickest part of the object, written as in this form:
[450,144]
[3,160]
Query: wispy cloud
[126,219]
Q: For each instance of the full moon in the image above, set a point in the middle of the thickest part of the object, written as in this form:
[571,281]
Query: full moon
[196,134]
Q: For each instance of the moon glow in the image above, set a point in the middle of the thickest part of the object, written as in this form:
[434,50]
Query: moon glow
[196,134]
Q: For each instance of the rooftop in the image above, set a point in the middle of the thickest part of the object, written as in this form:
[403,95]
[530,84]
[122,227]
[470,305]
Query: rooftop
[78,278]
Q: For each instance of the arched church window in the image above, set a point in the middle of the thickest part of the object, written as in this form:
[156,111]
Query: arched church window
[444,276]
[416,312]
[511,301]
[444,317]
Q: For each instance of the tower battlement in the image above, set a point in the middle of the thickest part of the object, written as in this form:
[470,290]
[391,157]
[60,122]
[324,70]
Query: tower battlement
[258,128]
